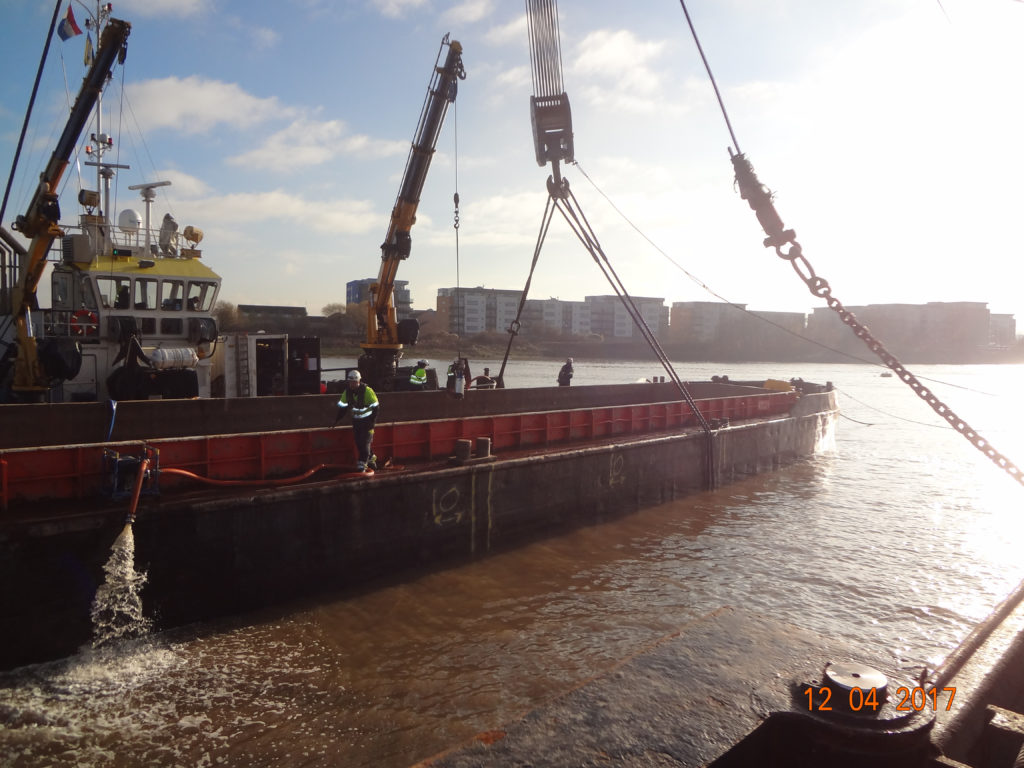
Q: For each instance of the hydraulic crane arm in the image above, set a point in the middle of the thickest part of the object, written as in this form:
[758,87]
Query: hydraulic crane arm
[382,337]
[40,223]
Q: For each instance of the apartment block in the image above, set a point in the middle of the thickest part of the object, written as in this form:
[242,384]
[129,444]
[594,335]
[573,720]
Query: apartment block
[358,291]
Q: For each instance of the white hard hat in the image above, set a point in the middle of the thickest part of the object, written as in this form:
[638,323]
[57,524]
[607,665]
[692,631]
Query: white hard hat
[353,375]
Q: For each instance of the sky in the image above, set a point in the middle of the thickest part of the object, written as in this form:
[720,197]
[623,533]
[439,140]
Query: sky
[888,130]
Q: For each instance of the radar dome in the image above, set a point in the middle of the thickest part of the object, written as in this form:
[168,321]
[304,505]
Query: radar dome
[129,221]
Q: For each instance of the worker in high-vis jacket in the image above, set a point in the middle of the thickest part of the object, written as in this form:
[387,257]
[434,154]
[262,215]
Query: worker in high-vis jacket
[418,378]
[361,400]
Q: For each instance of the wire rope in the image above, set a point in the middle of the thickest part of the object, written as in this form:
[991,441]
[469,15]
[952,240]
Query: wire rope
[455,225]
[738,307]
[28,112]
[760,199]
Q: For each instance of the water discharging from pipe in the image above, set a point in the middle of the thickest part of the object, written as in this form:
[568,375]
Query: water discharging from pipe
[117,608]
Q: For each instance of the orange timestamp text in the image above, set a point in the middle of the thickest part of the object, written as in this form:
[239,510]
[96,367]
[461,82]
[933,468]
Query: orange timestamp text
[908,699]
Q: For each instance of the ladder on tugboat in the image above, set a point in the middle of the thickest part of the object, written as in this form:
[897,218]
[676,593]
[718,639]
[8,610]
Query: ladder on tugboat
[242,351]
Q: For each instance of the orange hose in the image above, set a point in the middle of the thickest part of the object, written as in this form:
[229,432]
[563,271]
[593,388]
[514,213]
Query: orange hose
[143,466]
[277,481]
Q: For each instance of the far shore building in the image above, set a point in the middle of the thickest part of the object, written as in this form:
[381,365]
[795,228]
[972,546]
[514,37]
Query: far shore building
[932,332]
[478,310]
[938,331]
[358,292]
[610,319]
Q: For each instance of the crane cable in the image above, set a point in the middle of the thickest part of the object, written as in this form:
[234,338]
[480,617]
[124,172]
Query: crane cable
[545,50]
[761,201]
[455,226]
[741,308]
[28,112]
[515,325]
[560,198]
[577,221]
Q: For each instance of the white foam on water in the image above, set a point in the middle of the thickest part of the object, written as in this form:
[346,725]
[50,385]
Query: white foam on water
[166,699]
[117,608]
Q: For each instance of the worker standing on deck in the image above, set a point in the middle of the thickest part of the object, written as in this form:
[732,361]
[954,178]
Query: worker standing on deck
[418,379]
[565,374]
[363,402]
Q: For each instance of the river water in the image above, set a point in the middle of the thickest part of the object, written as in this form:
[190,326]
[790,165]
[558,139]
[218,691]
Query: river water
[898,540]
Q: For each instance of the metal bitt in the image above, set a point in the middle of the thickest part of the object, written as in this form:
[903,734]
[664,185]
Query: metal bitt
[854,716]
[464,451]
[855,683]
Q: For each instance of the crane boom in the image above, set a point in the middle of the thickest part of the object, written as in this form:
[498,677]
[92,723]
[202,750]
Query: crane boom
[41,220]
[384,338]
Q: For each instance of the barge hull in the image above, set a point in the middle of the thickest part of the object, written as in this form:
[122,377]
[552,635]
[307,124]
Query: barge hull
[209,555]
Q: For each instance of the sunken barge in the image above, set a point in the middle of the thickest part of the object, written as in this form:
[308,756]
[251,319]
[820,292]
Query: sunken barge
[230,519]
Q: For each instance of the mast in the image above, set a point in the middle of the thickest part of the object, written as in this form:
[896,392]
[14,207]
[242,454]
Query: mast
[99,142]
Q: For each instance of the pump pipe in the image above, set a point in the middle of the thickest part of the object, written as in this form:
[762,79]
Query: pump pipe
[143,466]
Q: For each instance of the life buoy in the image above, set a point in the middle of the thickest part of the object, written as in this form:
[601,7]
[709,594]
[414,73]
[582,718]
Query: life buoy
[84,323]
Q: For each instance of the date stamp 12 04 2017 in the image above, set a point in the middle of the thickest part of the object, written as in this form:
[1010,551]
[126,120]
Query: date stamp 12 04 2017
[907,699]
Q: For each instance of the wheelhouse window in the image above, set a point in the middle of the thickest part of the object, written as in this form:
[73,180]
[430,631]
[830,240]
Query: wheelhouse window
[145,293]
[60,290]
[88,296]
[114,292]
[200,295]
[173,292]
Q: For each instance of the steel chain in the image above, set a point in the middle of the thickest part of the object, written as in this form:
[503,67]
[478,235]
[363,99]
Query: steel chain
[820,288]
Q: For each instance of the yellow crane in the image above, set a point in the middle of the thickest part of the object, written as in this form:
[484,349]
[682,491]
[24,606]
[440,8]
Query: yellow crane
[385,335]
[40,365]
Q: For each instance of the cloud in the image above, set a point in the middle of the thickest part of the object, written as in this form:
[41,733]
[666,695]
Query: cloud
[620,61]
[180,8]
[469,12]
[183,185]
[260,38]
[194,105]
[515,77]
[395,9]
[307,143]
[614,70]
[504,215]
[333,217]
[512,33]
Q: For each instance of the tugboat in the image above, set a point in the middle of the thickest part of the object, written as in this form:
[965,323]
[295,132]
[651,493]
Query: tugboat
[131,306]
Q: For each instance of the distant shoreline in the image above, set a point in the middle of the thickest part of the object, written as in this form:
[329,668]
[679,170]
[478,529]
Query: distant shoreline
[598,350]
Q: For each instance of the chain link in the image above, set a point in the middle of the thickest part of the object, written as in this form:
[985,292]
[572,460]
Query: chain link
[760,200]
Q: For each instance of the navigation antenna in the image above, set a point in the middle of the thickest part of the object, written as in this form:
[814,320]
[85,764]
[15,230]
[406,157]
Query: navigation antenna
[148,196]
[100,142]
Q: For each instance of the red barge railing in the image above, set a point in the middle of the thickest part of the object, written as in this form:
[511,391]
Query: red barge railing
[80,471]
